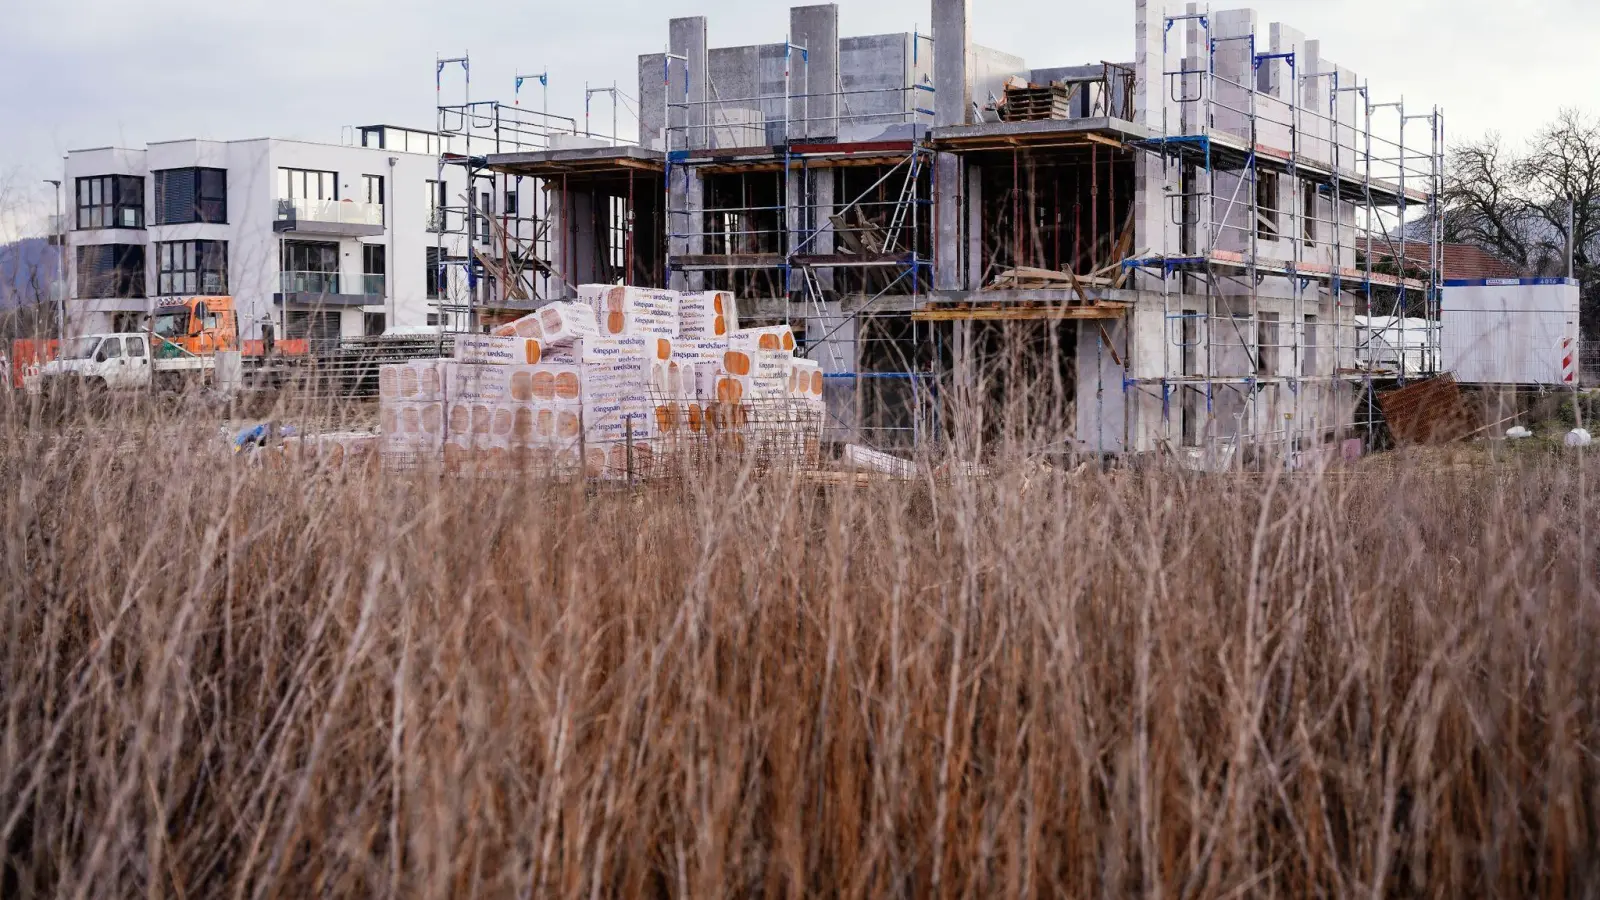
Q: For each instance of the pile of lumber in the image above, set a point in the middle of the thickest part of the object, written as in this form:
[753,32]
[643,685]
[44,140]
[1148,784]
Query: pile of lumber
[1032,102]
[1031,278]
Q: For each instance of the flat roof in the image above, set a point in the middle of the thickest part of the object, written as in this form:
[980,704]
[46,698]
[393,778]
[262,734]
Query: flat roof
[578,161]
[252,140]
[1038,132]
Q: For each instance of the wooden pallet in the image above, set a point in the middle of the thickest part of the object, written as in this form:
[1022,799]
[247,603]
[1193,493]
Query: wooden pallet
[1035,102]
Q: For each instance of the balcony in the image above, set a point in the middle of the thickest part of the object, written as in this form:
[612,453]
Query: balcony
[347,218]
[372,286]
[325,289]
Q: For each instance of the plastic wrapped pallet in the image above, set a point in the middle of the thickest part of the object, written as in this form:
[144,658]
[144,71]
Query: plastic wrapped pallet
[418,379]
[805,381]
[623,310]
[809,411]
[413,431]
[614,379]
[489,349]
[756,366]
[347,451]
[554,324]
[707,315]
[675,385]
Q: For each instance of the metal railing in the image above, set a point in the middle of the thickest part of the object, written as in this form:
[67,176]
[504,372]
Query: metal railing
[308,282]
[331,212]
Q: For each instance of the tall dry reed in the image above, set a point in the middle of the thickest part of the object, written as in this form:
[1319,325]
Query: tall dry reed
[221,680]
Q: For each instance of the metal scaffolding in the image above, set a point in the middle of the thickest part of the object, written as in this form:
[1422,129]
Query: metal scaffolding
[493,230]
[769,197]
[1294,216]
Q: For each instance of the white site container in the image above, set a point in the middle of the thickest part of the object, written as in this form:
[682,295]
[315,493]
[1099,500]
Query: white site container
[1510,331]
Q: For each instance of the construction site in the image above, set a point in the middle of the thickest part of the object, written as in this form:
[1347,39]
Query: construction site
[1181,242]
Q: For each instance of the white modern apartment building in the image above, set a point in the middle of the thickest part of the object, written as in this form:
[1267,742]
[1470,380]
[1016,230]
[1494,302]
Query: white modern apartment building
[319,240]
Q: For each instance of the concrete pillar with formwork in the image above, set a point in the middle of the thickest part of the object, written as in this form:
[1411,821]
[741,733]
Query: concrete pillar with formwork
[1143,333]
[816,109]
[686,130]
[952,105]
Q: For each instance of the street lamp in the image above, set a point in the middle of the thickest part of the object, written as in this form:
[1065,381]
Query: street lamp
[61,262]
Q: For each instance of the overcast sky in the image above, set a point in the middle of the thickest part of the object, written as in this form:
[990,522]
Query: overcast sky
[91,73]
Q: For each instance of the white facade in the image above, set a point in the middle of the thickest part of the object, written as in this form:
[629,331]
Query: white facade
[268,279]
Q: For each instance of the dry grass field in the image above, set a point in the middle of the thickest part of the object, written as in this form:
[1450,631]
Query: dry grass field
[222,680]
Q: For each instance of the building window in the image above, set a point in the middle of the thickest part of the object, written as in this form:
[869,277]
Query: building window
[1308,214]
[191,267]
[111,270]
[110,201]
[435,278]
[486,212]
[1266,205]
[436,205]
[1267,345]
[372,188]
[511,202]
[310,267]
[306,184]
[374,324]
[374,266]
[1308,359]
[618,232]
[191,195]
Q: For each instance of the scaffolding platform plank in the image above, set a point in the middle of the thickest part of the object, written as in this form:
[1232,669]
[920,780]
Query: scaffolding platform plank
[713,262]
[1020,312]
[1228,259]
[1229,152]
[1038,134]
[578,161]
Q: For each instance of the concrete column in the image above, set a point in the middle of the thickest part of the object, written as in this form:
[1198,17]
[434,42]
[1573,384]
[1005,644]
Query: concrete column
[974,267]
[1102,403]
[952,55]
[948,176]
[796,196]
[952,105]
[652,99]
[685,228]
[816,28]
[821,200]
[687,38]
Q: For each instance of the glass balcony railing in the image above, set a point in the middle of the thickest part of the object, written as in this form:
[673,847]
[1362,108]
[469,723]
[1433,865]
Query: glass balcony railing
[331,212]
[308,282]
[372,285]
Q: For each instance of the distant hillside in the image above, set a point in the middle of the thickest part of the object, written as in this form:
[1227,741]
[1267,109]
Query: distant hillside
[27,269]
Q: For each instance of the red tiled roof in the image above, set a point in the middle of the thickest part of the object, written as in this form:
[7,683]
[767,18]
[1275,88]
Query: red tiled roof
[1461,261]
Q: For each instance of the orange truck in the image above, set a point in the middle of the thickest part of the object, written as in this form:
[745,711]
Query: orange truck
[184,337]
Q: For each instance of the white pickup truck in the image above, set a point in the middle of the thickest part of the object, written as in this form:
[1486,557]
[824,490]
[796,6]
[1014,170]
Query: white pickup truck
[97,363]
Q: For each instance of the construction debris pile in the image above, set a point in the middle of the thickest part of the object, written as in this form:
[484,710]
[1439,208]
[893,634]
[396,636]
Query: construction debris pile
[624,382]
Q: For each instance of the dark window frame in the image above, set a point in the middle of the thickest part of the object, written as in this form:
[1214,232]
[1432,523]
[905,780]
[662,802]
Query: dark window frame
[116,194]
[191,261]
[1269,198]
[1308,213]
[208,192]
[286,183]
[317,262]
[433,283]
[437,194]
[122,276]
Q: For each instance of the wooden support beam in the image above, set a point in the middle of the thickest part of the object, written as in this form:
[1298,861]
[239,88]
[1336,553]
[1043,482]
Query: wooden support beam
[1021,313]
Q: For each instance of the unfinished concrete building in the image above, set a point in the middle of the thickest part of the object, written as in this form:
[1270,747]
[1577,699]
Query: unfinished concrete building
[1169,250]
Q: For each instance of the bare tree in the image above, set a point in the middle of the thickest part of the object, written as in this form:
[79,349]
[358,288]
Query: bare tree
[1516,202]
